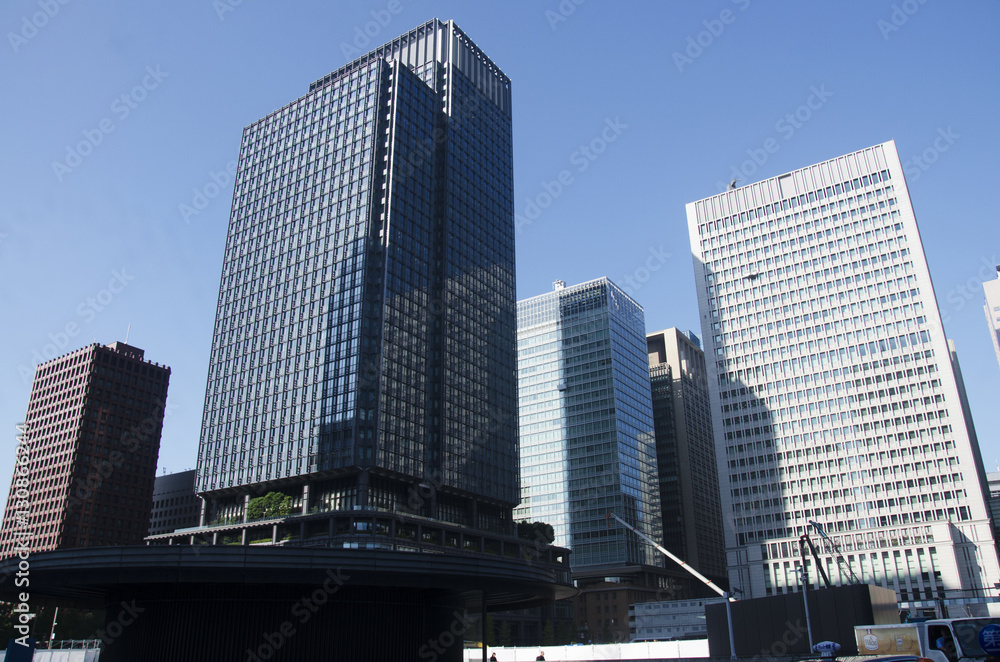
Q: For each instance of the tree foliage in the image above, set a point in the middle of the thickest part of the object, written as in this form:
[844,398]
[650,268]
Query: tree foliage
[72,623]
[548,634]
[491,638]
[537,531]
[272,504]
[505,637]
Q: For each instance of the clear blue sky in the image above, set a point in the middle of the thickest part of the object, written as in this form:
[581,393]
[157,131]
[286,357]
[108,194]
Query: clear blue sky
[687,91]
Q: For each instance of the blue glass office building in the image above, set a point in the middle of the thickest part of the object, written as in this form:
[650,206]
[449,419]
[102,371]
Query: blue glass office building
[364,345]
[586,423]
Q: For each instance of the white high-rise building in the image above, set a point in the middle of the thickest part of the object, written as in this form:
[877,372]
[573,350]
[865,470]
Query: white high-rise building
[992,290]
[835,399]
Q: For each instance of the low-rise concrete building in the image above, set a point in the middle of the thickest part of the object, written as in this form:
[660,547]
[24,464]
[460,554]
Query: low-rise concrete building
[669,619]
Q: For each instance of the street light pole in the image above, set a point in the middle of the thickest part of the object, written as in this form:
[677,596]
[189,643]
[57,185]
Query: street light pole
[805,602]
[52,632]
[729,619]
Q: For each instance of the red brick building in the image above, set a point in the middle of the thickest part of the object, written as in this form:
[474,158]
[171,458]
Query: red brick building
[87,452]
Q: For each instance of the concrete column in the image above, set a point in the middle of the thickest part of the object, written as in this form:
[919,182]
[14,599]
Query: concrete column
[204,511]
[246,504]
[305,499]
[482,625]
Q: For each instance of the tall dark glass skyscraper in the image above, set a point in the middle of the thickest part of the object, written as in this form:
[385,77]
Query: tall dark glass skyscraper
[364,345]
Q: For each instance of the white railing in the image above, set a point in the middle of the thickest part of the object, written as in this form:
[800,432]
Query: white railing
[85,644]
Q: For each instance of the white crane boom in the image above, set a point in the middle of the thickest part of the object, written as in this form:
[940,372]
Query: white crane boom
[705,580]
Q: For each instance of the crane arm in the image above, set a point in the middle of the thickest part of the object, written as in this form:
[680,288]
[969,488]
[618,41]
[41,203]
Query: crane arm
[805,540]
[705,580]
[841,561]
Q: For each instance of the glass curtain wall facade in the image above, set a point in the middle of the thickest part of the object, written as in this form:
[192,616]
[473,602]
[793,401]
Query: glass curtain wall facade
[586,423]
[364,345]
[835,397]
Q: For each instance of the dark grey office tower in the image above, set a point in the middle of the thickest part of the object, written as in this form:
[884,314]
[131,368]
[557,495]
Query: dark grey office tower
[364,346]
[685,454]
[175,505]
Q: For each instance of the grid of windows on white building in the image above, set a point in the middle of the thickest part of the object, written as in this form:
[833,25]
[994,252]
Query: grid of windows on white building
[992,308]
[834,392]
